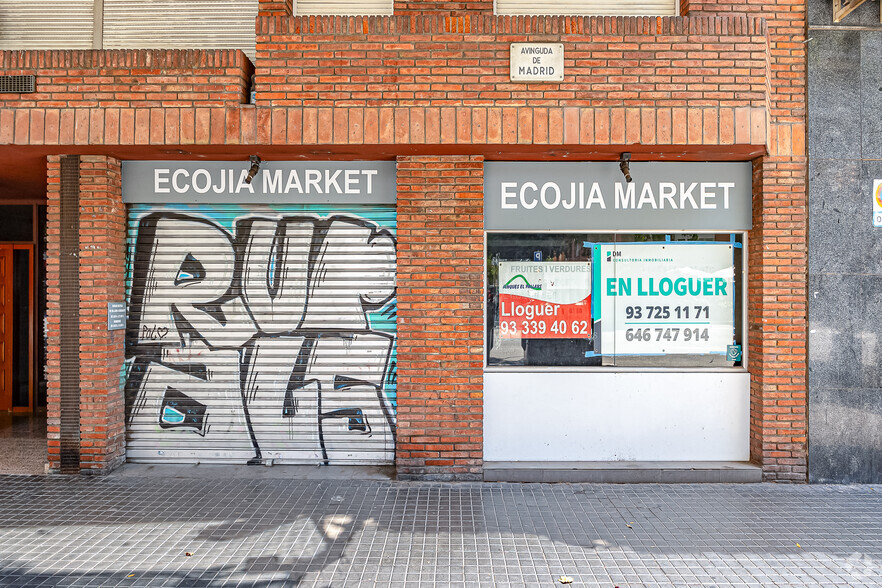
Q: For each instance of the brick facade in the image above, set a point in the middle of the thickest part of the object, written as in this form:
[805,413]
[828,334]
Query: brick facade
[119,78]
[436,60]
[429,86]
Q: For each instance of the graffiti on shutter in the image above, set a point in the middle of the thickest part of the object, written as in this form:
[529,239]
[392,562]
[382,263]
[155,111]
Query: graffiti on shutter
[255,337]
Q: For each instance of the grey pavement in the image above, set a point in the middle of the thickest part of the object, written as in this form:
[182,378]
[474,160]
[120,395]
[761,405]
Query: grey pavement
[234,529]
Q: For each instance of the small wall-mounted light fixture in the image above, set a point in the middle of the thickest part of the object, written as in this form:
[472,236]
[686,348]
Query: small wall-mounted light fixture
[255,165]
[624,165]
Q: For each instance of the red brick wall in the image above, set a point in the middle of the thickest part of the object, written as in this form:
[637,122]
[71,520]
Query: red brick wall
[102,274]
[440,317]
[129,77]
[433,60]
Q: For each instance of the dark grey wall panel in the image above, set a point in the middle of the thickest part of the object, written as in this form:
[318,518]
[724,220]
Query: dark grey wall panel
[834,91]
[840,219]
[845,330]
[871,93]
[845,250]
[845,348]
[845,421]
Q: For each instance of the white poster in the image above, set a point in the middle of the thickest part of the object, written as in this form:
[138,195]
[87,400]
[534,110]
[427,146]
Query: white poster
[665,298]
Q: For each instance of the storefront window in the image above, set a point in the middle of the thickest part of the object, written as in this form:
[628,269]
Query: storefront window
[625,299]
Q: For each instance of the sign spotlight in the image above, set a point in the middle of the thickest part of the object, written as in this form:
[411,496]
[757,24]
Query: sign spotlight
[255,165]
[624,165]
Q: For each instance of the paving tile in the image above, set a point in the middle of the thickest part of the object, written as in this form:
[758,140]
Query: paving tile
[136,531]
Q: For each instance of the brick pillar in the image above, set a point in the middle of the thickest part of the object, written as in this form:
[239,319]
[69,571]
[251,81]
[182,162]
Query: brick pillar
[440,317]
[53,312]
[778,297]
[777,302]
[101,280]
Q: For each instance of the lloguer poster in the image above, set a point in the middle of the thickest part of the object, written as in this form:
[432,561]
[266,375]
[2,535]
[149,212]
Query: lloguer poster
[545,300]
[664,298]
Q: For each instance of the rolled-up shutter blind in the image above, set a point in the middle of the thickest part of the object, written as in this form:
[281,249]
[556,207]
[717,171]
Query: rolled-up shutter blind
[589,7]
[152,24]
[46,24]
[178,24]
[342,7]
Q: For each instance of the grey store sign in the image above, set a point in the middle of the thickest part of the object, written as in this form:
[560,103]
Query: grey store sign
[595,196]
[224,182]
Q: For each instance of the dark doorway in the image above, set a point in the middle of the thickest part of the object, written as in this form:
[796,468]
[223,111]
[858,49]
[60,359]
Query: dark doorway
[22,304]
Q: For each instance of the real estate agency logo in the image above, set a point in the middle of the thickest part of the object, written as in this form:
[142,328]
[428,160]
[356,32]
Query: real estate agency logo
[520,282]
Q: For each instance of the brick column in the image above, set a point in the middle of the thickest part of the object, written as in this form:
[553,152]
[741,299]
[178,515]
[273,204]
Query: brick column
[440,318]
[778,259]
[777,302]
[101,279]
[53,312]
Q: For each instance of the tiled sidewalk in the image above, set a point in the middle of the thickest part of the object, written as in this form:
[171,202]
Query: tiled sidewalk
[150,531]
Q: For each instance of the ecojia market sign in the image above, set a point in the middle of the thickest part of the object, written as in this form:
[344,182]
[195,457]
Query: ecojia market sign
[590,196]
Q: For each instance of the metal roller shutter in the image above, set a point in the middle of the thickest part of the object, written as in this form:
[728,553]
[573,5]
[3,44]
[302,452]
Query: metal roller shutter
[24,24]
[589,8]
[174,24]
[342,7]
[261,333]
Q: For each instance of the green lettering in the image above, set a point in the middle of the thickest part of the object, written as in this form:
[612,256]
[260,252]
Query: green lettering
[665,286]
[610,286]
[680,286]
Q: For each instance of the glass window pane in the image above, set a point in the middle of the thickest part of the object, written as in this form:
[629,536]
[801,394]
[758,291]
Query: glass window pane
[21,324]
[635,300]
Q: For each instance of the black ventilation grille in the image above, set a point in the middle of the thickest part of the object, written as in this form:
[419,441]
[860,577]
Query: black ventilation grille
[18,84]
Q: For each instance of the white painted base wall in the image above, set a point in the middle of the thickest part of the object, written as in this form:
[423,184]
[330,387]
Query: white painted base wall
[625,416]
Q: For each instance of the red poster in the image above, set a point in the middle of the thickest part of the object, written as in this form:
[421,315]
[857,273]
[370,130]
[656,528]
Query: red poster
[544,300]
